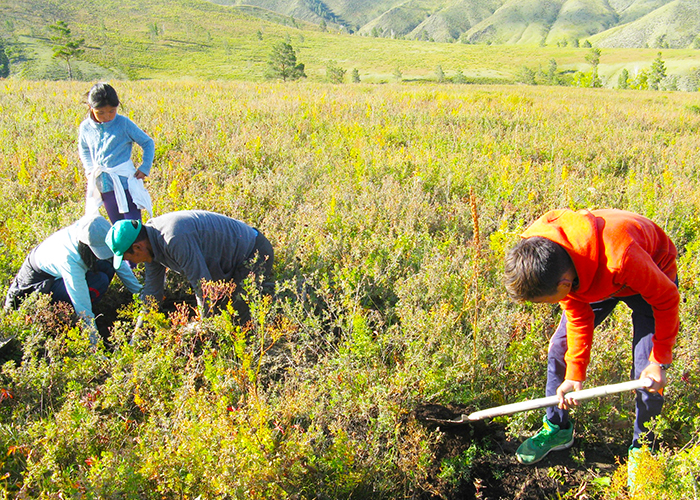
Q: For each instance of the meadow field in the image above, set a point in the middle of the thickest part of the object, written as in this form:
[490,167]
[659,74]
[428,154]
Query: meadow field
[390,208]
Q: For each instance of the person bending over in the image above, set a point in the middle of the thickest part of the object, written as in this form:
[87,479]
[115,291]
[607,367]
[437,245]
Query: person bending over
[73,265]
[203,246]
[588,262]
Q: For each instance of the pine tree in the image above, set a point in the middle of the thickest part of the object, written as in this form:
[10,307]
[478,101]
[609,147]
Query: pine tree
[657,73]
[282,63]
[334,73]
[459,77]
[355,75]
[153,31]
[552,78]
[526,76]
[4,62]
[440,74]
[66,47]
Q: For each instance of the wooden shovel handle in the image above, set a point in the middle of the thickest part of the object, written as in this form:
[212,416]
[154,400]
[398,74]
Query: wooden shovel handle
[532,404]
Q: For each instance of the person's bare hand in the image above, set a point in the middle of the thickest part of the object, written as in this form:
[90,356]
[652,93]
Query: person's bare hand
[657,374]
[566,387]
[140,175]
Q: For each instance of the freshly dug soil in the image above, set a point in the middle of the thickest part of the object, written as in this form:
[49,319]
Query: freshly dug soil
[496,474]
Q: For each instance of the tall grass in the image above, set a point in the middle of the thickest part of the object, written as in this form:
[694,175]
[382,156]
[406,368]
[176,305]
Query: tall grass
[369,195]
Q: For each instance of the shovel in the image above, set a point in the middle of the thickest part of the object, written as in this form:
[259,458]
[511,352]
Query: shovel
[532,404]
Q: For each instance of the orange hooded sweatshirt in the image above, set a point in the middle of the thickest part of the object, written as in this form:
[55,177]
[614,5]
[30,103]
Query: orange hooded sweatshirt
[616,254]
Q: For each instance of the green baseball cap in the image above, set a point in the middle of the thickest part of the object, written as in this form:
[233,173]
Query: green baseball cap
[120,237]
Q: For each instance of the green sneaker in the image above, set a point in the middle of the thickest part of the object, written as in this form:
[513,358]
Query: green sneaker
[550,438]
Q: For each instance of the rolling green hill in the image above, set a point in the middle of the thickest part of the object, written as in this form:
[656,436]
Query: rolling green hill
[398,20]
[530,22]
[453,20]
[517,22]
[578,19]
[631,10]
[196,39]
[676,24]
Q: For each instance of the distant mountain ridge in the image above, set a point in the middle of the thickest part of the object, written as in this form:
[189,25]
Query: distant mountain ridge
[607,23]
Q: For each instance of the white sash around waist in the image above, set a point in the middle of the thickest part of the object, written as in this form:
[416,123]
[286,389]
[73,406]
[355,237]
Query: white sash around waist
[138,191]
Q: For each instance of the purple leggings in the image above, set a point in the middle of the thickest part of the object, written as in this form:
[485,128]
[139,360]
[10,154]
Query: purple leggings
[110,202]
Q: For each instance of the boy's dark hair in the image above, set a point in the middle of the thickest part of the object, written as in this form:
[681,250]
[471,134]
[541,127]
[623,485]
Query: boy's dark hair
[534,267]
[102,94]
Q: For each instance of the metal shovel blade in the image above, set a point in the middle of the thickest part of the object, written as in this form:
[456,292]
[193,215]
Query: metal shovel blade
[462,419]
[582,395]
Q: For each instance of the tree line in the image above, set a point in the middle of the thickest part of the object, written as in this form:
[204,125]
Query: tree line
[282,64]
[655,77]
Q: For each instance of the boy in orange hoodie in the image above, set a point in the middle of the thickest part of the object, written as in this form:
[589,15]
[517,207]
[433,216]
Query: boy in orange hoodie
[588,262]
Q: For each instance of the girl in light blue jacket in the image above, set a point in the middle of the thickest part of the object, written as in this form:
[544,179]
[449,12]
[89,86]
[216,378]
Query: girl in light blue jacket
[105,144]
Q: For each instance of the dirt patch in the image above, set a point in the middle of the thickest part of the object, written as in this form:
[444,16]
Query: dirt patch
[493,473]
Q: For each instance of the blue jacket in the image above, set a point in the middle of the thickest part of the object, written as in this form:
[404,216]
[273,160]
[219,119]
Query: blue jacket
[58,256]
[110,144]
